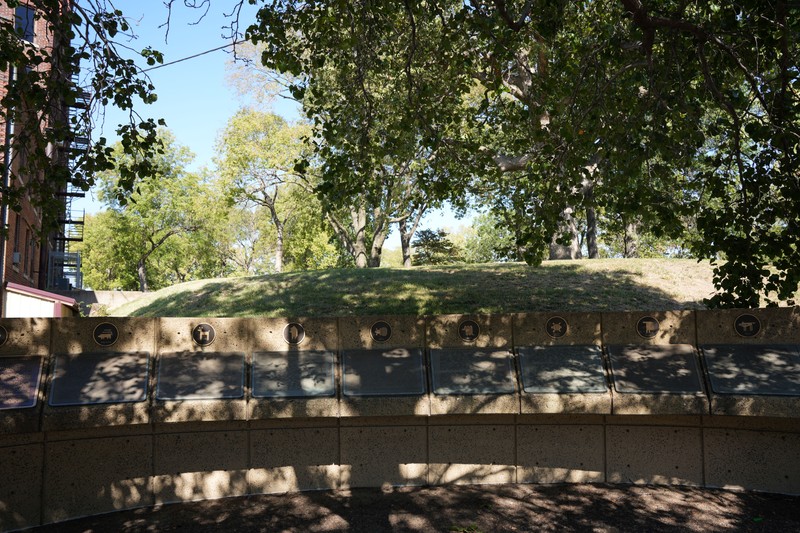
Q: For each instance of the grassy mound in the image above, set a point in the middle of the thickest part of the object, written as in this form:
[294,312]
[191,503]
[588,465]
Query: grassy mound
[588,285]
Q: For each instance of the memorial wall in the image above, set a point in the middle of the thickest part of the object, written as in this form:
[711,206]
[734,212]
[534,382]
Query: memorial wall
[103,414]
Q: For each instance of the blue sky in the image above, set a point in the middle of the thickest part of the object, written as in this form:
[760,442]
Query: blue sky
[193,95]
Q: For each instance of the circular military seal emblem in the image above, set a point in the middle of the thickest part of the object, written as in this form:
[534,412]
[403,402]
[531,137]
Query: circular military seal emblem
[469,330]
[556,327]
[105,334]
[380,331]
[203,334]
[294,333]
[3,335]
[647,327]
[747,325]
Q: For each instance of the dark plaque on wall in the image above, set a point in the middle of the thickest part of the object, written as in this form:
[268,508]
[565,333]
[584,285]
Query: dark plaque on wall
[293,375]
[99,378]
[3,335]
[380,331]
[203,334]
[469,330]
[557,327]
[105,334]
[660,369]
[200,376]
[467,371]
[397,372]
[647,327]
[19,381]
[294,333]
[562,369]
[747,325]
[760,369]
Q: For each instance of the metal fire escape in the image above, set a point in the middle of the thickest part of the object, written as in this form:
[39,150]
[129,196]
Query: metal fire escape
[64,269]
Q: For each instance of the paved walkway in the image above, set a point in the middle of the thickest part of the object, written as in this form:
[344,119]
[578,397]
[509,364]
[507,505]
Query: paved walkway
[467,509]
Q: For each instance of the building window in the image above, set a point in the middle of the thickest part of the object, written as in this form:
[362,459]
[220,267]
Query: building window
[32,267]
[25,23]
[27,251]
[16,233]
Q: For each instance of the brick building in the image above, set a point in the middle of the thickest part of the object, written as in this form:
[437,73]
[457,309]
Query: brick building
[26,260]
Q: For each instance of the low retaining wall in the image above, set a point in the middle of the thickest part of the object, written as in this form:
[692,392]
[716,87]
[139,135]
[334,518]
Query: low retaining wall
[106,414]
[106,300]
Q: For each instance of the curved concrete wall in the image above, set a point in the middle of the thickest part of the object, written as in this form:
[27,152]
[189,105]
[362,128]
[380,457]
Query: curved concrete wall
[186,409]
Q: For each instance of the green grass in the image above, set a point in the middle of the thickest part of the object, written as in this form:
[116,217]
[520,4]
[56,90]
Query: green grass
[588,285]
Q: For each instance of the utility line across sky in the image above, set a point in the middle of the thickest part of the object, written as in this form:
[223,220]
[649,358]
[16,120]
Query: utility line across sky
[234,43]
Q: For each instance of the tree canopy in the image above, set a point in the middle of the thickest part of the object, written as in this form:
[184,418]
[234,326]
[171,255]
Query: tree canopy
[679,118]
[672,113]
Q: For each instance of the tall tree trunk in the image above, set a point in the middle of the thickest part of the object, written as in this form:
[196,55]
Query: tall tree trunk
[141,270]
[407,234]
[566,227]
[591,233]
[591,215]
[359,217]
[279,249]
[631,240]
[405,242]
[270,202]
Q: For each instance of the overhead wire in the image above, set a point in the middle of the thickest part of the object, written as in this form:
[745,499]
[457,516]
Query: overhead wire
[234,43]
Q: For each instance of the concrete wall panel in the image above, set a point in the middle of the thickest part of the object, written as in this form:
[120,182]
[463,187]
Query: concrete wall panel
[270,335]
[25,337]
[174,335]
[778,325]
[379,456]
[660,404]
[76,336]
[536,329]
[292,459]
[230,335]
[94,476]
[495,331]
[654,455]
[318,334]
[474,454]
[560,454]
[200,465]
[757,406]
[481,404]
[755,460]
[406,332]
[21,486]
[675,327]
[565,403]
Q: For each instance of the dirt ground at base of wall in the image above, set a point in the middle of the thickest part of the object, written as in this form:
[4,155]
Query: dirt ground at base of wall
[467,509]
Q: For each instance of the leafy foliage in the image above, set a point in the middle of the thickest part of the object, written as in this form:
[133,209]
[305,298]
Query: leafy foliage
[432,247]
[157,235]
[56,93]
[682,116]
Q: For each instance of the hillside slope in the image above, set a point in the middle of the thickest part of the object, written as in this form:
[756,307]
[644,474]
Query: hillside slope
[588,285]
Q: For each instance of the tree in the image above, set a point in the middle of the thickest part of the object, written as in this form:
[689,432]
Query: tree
[432,247]
[109,261]
[605,96]
[56,93]
[488,240]
[370,161]
[258,151]
[167,205]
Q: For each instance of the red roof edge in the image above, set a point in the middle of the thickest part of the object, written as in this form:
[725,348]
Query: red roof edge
[15,287]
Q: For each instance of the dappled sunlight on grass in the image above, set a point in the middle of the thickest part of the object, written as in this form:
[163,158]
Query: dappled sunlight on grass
[596,285]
